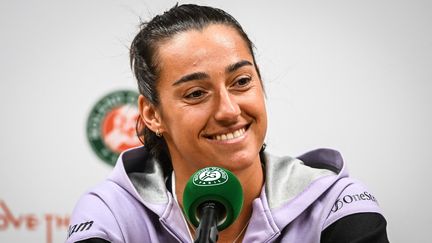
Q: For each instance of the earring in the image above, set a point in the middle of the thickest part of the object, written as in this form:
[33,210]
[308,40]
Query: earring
[158,133]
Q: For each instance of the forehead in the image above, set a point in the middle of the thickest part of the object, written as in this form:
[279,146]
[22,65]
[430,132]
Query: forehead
[217,33]
[216,45]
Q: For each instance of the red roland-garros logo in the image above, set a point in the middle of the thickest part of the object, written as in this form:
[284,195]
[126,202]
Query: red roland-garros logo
[111,125]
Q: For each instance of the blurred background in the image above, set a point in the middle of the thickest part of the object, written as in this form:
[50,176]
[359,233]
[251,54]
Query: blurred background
[355,76]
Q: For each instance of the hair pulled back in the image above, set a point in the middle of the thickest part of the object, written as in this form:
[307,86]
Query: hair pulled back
[143,58]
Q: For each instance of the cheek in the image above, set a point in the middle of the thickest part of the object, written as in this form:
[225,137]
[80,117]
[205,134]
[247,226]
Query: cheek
[255,107]
[185,123]
[255,104]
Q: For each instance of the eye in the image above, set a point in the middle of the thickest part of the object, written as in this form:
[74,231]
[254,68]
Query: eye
[242,82]
[195,94]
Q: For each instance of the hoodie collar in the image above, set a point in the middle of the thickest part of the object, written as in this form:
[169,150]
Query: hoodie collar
[142,176]
[296,183]
[287,181]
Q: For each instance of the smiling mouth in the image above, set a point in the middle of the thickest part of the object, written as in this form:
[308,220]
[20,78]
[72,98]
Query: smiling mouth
[230,135]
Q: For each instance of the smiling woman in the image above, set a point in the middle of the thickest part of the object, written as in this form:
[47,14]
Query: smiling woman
[202,104]
[208,89]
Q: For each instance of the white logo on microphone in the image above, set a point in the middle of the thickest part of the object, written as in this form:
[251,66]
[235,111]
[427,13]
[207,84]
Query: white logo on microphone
[210,176]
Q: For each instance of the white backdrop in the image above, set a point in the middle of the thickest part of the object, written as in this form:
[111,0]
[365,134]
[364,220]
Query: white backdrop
[351,75]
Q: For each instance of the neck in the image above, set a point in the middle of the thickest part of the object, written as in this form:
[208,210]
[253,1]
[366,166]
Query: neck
[251,180]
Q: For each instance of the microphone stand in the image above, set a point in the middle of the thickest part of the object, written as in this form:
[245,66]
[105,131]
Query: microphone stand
[207,231]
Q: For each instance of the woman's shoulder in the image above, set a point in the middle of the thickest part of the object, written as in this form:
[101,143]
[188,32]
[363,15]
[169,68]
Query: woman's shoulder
[109,212]
[315,187]
[92,216]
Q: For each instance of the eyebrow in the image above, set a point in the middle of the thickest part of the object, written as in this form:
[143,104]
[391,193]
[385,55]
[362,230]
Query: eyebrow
[190,77]
[202,75]
[233,67]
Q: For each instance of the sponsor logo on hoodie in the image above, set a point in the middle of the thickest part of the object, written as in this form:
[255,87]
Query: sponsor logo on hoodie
[352,198]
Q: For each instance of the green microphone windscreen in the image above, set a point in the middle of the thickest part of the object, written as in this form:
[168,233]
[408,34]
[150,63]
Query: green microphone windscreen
[213,184]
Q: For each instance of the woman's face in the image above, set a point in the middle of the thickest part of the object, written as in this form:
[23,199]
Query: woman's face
[212,110]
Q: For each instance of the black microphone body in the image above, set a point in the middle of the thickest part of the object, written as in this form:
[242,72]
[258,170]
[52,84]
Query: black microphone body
[207,231]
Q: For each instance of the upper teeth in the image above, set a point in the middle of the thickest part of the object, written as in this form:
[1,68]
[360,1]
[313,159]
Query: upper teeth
[230,135]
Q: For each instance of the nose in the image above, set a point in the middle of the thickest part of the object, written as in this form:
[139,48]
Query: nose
[227,108]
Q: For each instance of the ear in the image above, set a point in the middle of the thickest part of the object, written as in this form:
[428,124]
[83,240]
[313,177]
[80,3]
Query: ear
[149,115]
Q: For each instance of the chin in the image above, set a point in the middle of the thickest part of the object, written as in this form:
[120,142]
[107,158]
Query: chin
[237,163]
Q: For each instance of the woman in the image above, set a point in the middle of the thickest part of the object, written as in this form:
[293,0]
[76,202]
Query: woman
[202,104]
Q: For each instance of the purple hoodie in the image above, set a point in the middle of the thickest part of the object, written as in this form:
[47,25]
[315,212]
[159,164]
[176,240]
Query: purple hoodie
[300,198]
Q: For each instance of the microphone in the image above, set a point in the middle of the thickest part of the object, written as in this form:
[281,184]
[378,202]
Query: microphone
[212,201]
